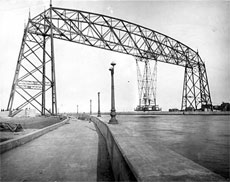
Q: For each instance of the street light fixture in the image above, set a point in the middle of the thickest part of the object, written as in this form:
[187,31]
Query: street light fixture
[90,107]
[113,119]
[99,112]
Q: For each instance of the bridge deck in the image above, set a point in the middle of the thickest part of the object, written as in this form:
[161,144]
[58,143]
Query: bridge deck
[69,153]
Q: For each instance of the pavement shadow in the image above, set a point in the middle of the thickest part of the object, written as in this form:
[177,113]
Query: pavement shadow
[104,168]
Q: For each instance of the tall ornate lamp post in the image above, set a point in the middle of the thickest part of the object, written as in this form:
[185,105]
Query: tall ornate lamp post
[113,119]
[99,112]
[90,107]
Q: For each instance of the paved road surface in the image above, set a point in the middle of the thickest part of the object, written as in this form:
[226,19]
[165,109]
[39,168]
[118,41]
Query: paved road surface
[69,153]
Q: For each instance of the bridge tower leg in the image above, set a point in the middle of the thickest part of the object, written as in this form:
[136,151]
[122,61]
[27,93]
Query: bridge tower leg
[53,77]
[44,74]
[18,66]
[205,96]
[189,97]
[196,93]
[34,77]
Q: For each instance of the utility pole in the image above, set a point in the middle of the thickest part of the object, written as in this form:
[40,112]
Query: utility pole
[113,119]
[99,112]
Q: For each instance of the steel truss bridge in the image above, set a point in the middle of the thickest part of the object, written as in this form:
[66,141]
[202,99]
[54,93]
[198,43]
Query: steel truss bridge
[35,71]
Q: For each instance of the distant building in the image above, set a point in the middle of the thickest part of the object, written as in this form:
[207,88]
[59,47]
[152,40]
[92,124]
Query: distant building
[223,107]
[173,110]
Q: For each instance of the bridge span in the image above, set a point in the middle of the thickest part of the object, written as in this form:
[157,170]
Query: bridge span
[35,73]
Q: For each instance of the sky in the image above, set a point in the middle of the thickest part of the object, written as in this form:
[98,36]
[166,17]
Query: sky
[83,71]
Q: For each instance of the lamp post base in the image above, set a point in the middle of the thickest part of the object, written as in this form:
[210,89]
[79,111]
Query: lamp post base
[98,114]
[113,119]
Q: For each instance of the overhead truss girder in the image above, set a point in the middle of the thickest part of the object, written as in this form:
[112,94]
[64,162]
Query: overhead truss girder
[114,34]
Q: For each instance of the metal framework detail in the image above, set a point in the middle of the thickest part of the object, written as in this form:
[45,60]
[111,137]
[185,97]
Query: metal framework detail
[147,83]
[105,32]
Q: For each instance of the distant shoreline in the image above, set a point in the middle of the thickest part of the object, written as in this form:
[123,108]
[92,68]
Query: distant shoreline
[170,113]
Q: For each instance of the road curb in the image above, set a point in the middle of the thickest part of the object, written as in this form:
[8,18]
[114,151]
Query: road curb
[122,168]
[13,143]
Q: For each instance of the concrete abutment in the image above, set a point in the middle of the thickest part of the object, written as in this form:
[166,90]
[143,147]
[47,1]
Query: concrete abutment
[132,159]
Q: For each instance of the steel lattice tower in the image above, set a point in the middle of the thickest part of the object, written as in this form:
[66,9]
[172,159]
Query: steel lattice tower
[35,70]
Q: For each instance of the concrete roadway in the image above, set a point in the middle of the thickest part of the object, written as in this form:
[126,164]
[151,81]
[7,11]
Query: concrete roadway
[73,152]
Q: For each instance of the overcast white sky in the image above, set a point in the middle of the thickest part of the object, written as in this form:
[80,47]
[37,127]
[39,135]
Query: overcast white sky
[82,71]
